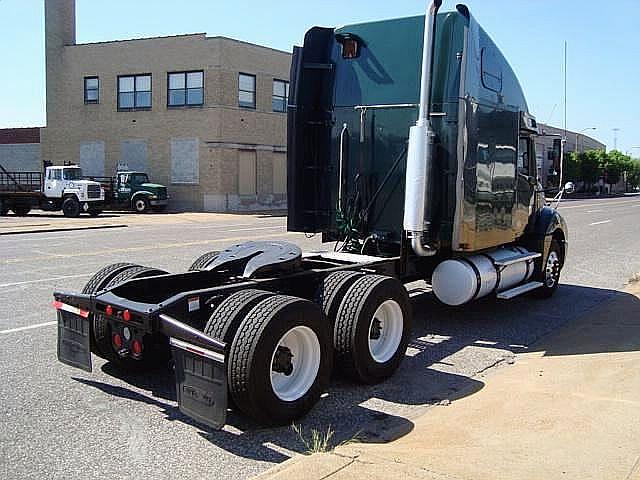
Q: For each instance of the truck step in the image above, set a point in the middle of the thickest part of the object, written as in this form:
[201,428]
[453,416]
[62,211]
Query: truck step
[519,290]
[517,258]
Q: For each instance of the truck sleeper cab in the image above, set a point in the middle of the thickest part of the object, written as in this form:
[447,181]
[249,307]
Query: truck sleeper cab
[265,323]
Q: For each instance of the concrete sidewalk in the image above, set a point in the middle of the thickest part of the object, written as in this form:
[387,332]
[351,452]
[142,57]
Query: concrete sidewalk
[569,409]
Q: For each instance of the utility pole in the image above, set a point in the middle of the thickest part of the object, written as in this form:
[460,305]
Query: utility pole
[615,138]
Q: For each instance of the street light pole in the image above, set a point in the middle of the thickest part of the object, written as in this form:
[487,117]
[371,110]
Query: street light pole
[578,150]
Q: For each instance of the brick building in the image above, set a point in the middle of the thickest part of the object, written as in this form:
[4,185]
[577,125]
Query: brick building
[204,115]
[20,149]
[548,149]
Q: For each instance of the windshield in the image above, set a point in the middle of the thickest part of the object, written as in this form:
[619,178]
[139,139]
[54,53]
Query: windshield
[139,178]
[72,174]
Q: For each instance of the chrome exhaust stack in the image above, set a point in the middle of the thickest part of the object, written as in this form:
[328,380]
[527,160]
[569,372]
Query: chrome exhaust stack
[420,149]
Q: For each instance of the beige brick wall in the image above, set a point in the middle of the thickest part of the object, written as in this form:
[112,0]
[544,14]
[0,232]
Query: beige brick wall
[220,125]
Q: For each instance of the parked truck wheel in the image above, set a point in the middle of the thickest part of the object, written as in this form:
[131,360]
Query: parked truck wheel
[549,274]
[280,360]
[225,319]
[203,260]
[71,207]
[141,205]
[331,291]
[21,210]
[372,328]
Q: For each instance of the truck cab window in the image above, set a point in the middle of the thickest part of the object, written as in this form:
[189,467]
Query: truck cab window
[56,174]
[72,174]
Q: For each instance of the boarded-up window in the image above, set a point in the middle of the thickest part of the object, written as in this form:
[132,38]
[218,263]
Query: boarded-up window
[247,182]
[184,160]
[92,158]
[133,155]
[279,173]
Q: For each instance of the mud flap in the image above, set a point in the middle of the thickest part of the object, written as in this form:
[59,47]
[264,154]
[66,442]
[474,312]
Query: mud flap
[73,340]
[201,383]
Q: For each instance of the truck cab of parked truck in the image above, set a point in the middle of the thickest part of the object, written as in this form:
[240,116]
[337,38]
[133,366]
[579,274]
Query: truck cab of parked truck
[65,188]
[134,189]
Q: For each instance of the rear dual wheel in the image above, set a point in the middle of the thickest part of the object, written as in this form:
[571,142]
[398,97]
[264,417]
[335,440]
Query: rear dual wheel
[372,328]
[279,359]
[203,260]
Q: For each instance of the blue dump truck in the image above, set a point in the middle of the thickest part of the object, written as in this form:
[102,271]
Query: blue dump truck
[411,146]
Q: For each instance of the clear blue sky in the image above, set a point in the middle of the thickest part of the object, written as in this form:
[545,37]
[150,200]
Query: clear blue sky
[604,46]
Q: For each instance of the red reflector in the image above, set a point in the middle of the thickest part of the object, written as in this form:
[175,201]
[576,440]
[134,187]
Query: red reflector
[117,340]
[108,310]
[57,305]
[136,346]
[84,313]
[126,315]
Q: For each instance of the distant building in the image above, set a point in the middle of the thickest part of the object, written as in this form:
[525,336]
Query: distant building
[548,149]
[20,149]
[204,115]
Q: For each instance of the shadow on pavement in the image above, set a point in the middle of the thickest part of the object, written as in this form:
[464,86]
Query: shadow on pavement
[449,347]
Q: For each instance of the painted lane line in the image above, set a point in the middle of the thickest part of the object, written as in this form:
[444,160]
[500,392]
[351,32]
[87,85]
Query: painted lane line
[44,280]
[599,223]
[30,327]
[159,246]
[277,227]
[600,204]
[594,211]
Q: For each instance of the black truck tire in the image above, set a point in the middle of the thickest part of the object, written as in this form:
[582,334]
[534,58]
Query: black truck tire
[372,328]
[549,273]
[21,210]
[141,204]
[136,271]
[203,260]
[331,290]
[225,319]
[102,277]
[71,207]
[280,360]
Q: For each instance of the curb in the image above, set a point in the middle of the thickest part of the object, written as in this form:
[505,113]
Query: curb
[63,229]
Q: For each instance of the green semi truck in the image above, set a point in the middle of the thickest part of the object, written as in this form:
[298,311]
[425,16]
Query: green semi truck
[131,190]
[411,145]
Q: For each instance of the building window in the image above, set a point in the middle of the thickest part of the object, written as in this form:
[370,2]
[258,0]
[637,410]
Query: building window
[185,88]
[134,91]
[247,90]
[91,90]
[280,95]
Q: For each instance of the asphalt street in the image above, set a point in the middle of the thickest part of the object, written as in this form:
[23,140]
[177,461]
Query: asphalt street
[59,422]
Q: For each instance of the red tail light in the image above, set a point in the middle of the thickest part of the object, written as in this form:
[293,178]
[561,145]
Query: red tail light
[109,310]
[126,316]
[136,347]
[117,340]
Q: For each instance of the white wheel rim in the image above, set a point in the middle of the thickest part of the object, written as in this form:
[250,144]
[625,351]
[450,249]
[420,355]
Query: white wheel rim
[552,263]
[385,331]
[304,347]
[139,205]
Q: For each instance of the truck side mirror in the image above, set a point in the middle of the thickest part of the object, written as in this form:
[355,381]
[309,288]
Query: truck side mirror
[569,188]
